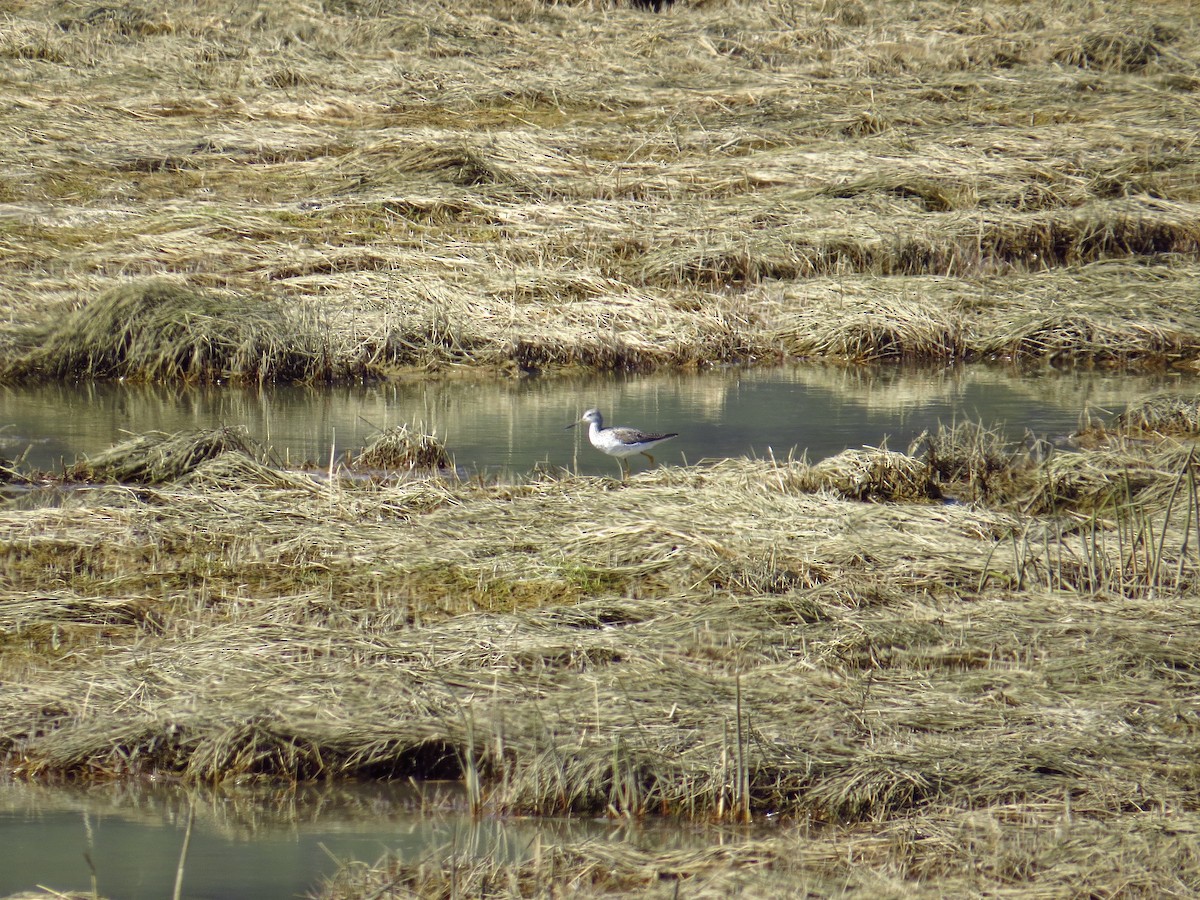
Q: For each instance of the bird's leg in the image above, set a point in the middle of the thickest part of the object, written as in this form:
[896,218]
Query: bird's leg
[648,456]
[624,469]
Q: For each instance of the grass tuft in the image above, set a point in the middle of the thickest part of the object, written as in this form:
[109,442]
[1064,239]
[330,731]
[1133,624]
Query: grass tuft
[1165,415]
[970,454]
[158,458]
[403,448]
[161,330]
[874,474]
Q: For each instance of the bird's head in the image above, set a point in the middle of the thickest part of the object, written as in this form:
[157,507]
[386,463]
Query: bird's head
[592,416]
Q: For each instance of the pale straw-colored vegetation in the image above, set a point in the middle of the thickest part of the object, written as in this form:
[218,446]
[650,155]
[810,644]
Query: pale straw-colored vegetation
[349,189]
[741,641]
[990,696]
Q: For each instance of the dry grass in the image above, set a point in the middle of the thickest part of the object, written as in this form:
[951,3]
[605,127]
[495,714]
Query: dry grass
[346,191]
[736,640]
[990,697]
[1044,852]
[157,458]
[872,474]
[474,588]
[968,454]
[163,331]
[404,448]
[725,642]
[1163,415]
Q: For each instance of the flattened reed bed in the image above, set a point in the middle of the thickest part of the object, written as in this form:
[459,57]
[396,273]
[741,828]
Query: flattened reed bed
[725,644]
[1107,312]
[495,187]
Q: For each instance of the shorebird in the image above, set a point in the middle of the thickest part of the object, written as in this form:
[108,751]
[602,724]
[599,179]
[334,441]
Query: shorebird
[620,442]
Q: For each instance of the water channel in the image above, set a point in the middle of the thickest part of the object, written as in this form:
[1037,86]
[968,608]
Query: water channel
[509,427]
[264,846]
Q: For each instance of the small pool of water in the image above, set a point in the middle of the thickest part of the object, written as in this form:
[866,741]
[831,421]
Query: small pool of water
[511,426]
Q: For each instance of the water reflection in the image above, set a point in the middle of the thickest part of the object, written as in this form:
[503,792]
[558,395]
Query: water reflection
[513,425]
[246,842]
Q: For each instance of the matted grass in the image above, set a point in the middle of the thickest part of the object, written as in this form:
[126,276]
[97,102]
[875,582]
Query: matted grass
[350,190]
[404,448]
[736,641]
[160,330]
[1163,415]
[1001,852]
[739,568]
[156,458]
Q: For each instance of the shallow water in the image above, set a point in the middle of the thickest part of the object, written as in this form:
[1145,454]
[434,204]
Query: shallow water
[246,843]
[509,427]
